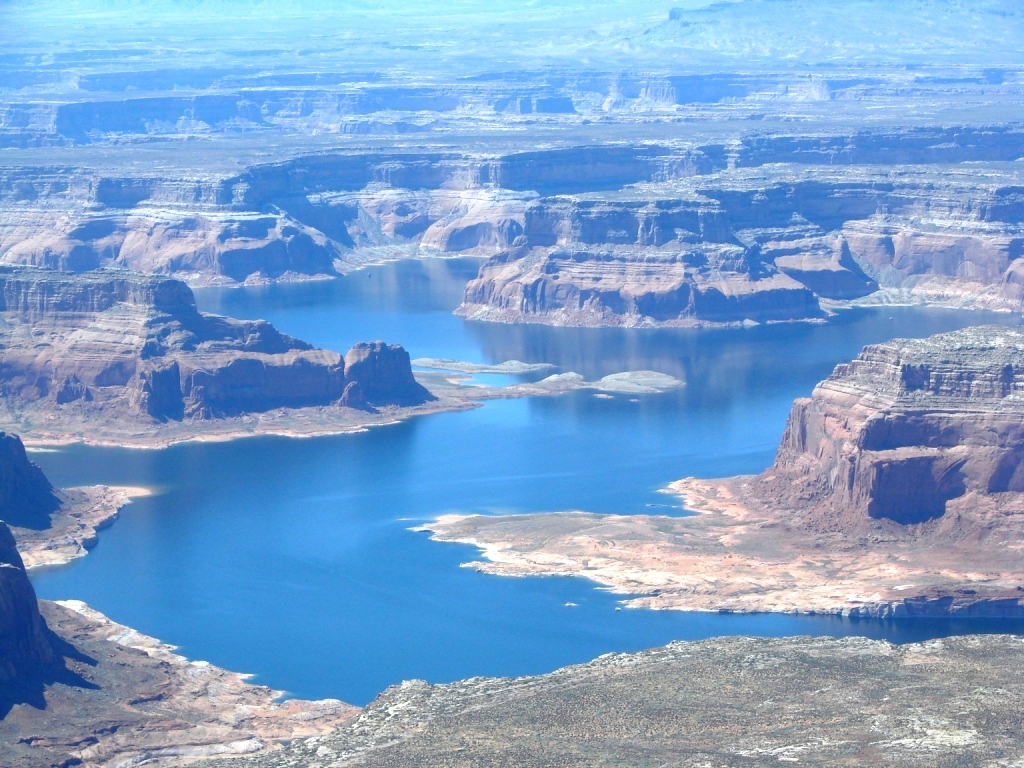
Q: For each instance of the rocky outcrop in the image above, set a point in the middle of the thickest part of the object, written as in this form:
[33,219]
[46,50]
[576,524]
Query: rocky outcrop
[839,229]
[26,497]
[114,345]
[723,701]
[202,248]
[891,165]
[27,650]
[911,424]
[741,229]
[128,699]
[31,656]
[381,374]
[94,693]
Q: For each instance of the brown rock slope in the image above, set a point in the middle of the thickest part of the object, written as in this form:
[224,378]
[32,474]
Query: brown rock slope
[114,354]
[121,698]
[896,491]
[26,497]
[731,701]
[713,284]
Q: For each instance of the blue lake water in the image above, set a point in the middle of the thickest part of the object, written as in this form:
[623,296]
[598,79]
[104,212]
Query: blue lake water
[292,558]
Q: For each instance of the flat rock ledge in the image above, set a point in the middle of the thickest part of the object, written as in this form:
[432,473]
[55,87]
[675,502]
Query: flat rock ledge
[731,701]
[312,421]
[739,556]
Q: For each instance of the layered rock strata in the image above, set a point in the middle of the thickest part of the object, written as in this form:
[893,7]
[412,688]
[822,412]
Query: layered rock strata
[755,228]
[725,701]
[575,287]
[381,374]
[911,425]
[712,137]
[120,349]
[895,492]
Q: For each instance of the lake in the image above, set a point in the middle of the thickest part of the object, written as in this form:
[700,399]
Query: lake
[292,558]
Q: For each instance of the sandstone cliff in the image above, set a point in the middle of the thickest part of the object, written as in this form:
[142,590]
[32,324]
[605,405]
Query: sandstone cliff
[911,424]
[591,287]
[755,228]
[114,345]
[381,374]
[27,648]
[26,497]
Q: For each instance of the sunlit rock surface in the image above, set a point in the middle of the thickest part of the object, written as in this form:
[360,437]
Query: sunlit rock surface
[911,424]
[116,349]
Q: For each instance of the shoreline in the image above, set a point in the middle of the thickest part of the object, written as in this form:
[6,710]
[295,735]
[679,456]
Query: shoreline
[75,526]
[451,394]
[731,557]
[317,421]
[126,698]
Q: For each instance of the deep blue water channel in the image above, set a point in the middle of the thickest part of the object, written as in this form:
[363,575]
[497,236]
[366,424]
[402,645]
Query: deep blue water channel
[292,558]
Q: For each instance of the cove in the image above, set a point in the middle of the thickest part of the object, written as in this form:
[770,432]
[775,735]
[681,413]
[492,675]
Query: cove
[292,558]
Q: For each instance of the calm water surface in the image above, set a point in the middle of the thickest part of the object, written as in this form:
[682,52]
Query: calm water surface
[292,559]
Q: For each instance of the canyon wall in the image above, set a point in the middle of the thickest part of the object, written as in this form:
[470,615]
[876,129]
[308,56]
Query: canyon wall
[755,229]
[27,648]
[910,425]
[110,343]
[676,178]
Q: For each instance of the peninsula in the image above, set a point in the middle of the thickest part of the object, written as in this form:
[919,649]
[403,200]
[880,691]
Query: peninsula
[896,491]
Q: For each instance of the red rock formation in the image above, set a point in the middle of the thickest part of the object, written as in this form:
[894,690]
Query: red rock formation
[383,375]
[911,424]
[117,343]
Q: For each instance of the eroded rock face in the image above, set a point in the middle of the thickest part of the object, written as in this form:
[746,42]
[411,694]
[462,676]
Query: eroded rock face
[137,343]
[896,492]
[26,497]
[911,424]
[237,248]
[723,284]
[826,211]
[117,344]
[26,645]
[380,374]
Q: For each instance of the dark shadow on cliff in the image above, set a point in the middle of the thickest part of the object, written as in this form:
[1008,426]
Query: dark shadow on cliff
[27,500]
[31,689]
